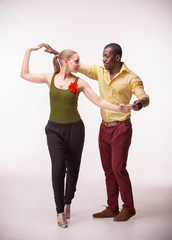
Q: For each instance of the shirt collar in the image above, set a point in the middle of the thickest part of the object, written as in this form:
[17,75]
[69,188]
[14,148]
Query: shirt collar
[123,68]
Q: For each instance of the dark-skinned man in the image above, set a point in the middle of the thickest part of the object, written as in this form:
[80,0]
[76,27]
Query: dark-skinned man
[116,84]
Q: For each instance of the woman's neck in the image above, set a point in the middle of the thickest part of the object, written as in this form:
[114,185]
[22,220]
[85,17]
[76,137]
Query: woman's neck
[65,74]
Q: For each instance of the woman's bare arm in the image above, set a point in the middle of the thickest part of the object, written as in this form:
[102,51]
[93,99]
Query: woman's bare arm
[94,98]
[31,77]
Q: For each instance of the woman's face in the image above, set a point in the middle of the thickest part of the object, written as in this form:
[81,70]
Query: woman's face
[74,63]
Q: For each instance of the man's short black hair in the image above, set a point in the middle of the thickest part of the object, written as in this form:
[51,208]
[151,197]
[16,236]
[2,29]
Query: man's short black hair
[117,50]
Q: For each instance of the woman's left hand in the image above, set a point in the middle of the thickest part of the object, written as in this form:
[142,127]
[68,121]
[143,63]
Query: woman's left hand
[125,107]
[35,48]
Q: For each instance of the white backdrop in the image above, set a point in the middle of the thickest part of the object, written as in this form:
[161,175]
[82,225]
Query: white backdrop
[144,30]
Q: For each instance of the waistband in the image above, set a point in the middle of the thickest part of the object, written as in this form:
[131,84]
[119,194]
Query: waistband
[73,124]
[114,123]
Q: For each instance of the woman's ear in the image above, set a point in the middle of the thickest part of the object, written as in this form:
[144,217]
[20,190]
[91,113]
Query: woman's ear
[65,61]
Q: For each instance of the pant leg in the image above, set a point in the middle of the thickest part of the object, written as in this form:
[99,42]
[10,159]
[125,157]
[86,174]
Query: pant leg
[75,142]
[106,159]
[56,148]
[120,142]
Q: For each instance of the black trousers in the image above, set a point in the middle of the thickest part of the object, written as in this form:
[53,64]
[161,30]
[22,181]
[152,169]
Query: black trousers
[65,143]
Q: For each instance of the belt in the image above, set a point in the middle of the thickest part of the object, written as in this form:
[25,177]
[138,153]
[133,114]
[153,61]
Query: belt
[114,123]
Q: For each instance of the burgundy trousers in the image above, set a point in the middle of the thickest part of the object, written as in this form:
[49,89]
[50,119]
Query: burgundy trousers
[114,144]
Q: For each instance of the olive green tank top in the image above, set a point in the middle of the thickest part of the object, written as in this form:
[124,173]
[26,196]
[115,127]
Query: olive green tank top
[63,104]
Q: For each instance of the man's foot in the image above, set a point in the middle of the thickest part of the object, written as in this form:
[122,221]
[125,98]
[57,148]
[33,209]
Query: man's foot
[61,220]
[106,213]
[124,215]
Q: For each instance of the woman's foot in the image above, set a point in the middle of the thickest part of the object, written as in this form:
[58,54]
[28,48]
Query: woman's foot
[61,220]
[67,210]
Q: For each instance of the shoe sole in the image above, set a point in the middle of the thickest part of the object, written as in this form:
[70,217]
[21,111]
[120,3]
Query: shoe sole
[123,220]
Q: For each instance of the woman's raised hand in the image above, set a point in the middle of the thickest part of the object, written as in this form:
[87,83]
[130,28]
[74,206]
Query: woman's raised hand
[35,48]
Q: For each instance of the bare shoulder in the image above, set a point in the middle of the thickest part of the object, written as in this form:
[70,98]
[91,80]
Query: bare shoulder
[82,84]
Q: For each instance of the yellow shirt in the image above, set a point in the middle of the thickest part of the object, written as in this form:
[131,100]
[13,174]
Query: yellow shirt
[117,91]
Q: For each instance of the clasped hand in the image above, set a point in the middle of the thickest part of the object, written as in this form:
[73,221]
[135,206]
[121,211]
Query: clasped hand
[136,106]
[125,107]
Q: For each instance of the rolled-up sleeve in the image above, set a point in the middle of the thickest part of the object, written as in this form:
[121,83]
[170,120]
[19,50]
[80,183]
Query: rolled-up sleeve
[89,71]
[138,88]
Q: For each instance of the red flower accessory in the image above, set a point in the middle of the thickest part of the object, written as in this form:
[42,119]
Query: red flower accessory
[73,87]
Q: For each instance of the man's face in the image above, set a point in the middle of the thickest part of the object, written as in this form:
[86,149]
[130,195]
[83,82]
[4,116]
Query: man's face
[109,60]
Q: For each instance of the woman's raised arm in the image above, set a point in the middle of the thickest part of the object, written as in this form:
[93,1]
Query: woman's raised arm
[94,98]
[31,77]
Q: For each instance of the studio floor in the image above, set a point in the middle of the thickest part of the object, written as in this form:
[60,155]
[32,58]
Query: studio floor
[27,211]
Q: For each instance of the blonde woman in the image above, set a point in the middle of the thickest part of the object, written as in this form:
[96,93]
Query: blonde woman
[65,128]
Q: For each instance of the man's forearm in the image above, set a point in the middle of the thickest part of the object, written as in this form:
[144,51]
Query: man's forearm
[145,101]
[49,49]
[55,52]
[52,51]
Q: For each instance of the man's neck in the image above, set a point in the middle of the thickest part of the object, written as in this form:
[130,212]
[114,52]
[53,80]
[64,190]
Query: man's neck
[115,70]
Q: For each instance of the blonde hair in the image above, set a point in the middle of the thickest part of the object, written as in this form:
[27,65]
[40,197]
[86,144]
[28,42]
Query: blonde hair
[65,54]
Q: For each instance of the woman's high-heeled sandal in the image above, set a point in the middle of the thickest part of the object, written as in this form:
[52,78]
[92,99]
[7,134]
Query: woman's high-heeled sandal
[67,211]
[64,223]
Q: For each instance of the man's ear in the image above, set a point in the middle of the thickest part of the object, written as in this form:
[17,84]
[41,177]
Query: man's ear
[118,58]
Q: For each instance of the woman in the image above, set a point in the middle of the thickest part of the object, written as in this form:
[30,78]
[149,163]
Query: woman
[65,129]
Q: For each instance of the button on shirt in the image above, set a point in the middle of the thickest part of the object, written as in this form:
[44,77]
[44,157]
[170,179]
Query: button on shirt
[117,91]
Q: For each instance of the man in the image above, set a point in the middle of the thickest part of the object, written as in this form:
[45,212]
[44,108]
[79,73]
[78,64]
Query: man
[116,84]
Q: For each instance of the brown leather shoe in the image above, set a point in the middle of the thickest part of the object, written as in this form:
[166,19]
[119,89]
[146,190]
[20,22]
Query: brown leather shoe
[106,213]
[124,215]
